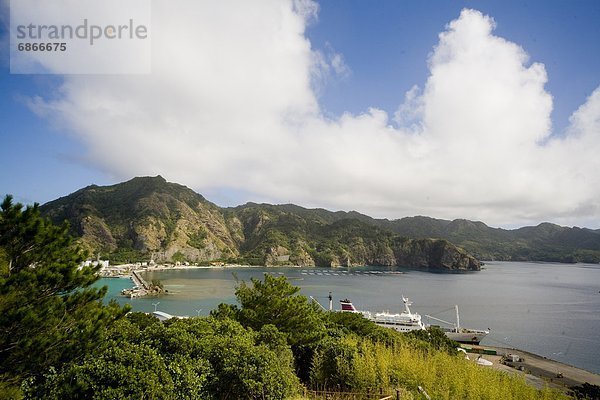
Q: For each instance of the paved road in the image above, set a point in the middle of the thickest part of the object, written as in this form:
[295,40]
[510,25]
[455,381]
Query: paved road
[540,371]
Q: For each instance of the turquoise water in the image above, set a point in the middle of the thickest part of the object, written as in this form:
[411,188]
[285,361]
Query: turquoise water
[548,309]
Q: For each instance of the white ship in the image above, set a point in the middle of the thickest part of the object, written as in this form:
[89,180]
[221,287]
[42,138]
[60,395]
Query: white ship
[459,334]
[406,321]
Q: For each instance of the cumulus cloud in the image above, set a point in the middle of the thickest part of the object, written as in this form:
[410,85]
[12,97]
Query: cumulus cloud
[231,105]
[327,65]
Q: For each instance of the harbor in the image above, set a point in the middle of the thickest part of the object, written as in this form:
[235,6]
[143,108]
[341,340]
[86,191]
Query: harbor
[141,288]
[537,370]
[510,300]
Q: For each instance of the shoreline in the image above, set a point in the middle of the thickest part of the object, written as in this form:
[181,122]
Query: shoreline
[546,375]
[126,270]
[538,371]
[140,287]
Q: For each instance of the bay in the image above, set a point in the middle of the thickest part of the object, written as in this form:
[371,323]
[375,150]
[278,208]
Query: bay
[548,309]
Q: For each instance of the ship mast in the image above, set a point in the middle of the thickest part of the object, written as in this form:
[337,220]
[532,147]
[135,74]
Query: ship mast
[457,319]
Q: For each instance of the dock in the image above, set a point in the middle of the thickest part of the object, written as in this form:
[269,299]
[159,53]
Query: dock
[140,289]
[538,371]
[139,281]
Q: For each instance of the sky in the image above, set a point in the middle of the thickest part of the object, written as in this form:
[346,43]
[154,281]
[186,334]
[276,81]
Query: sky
[484,110]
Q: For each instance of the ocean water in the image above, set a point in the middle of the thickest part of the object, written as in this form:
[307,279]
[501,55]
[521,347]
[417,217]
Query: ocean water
[549,309]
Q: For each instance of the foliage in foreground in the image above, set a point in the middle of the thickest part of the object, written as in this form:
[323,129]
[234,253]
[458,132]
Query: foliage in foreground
[352,363]
[276,301]
[49,313]
[586,392]
[58,341]
[196,358]
[354,354]
[218,357]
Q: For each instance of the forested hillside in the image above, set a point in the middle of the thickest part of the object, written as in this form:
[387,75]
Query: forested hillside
[151,218]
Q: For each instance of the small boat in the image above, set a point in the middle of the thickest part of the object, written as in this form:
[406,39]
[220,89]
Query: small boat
[482,361]
[405,321]
[459,334]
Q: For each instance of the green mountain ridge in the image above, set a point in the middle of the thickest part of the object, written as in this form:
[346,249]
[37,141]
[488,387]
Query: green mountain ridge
[545,242]
[148,217]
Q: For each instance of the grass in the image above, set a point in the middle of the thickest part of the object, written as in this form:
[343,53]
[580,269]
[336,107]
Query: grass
[443,376]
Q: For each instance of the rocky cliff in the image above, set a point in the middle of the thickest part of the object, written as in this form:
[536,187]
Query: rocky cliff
[146,216]
[149,217]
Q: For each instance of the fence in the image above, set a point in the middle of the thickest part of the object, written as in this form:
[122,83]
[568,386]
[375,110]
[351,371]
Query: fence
[332,395]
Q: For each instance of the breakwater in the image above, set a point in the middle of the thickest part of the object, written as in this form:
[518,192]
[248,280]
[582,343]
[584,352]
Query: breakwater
[141,287]
[139,281]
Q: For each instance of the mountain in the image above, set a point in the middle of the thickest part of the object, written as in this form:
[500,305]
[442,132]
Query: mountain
[145,216]
[150,217]
[544,242]
[318,237]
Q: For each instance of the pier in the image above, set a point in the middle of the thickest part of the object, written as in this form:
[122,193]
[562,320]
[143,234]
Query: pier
[539,371]
[139,281]
[141,288]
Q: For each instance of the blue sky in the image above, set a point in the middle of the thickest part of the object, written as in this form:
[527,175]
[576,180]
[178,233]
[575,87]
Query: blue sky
[382,50]
[386,45]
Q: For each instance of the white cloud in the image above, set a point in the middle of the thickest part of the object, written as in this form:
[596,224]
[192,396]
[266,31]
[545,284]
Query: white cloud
[327,65]
[82,27]
[339,65]
[231,104]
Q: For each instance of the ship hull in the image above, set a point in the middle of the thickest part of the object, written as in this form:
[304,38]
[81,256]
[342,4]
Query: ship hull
[468,336]
[400,327]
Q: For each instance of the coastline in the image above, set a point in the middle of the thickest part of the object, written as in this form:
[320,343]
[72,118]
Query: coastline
[538,371]
[497,282]
[141,288]
[126,270]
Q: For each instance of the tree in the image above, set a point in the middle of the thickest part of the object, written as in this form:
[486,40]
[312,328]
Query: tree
[586,391]
[276,301]
[49,313]
[437,339]
[333,364]
[193,358]
[178,257]
[120,371]
[246,365]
